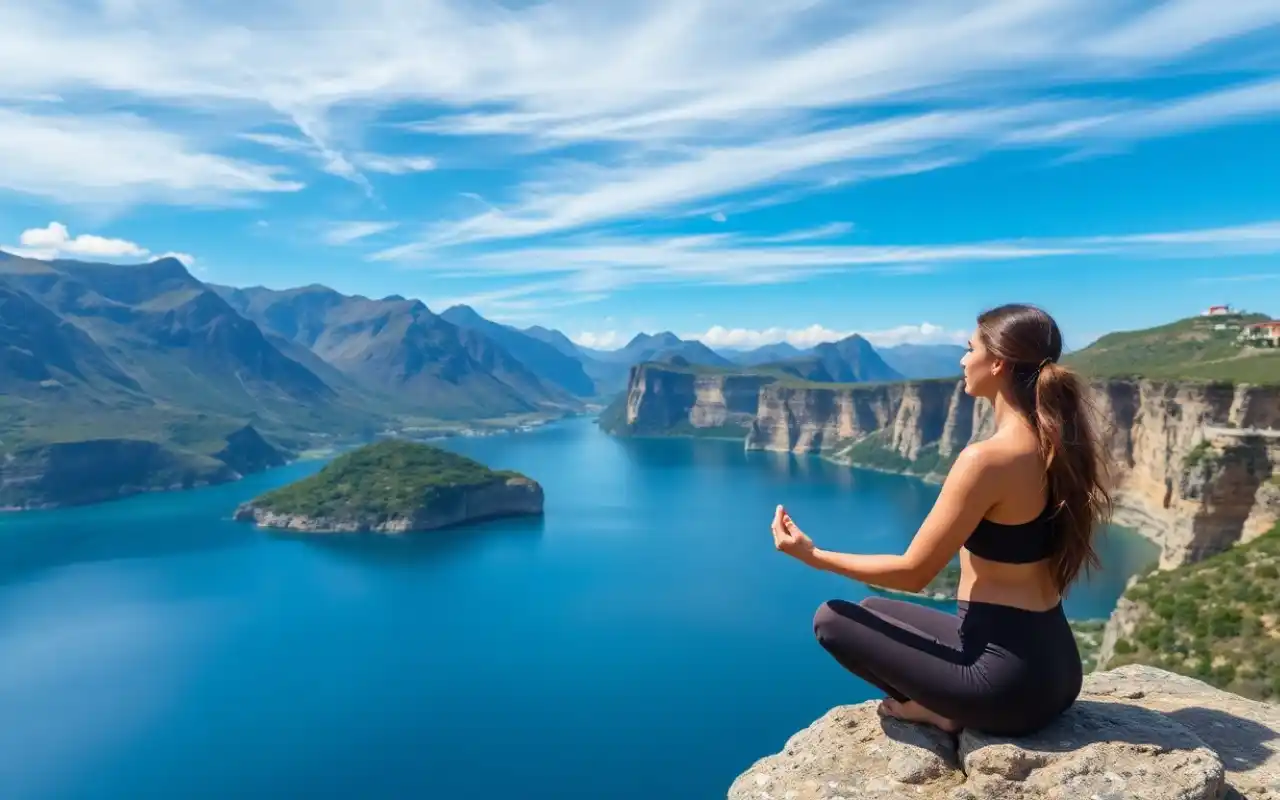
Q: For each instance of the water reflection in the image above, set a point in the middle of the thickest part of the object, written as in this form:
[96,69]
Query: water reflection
[409,550]
[26,551]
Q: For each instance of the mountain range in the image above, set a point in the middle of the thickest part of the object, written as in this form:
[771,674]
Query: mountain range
[148,352]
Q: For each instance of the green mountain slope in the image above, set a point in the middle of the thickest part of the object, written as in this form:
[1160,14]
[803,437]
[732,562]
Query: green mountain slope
[541,358]
[850,360]
[403,357]
[1216,620]
[1196,348]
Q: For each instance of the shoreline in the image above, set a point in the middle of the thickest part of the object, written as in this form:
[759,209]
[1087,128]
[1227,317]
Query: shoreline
[309,454]
[1129,513]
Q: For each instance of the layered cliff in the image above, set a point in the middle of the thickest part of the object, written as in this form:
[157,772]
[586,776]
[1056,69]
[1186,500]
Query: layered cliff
[1194,462]
[670,400]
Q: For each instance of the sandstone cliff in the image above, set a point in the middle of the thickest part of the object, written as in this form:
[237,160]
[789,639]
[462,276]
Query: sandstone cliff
[666,401]
[1135,732]
[1195,463]
[515,496]
[77,473]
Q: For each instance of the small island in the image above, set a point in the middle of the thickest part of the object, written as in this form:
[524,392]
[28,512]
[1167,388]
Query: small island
[395,486]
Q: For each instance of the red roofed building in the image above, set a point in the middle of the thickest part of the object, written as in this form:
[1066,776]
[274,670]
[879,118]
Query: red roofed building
[1265,334]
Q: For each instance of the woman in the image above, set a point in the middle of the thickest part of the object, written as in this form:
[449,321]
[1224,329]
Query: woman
[1023,504]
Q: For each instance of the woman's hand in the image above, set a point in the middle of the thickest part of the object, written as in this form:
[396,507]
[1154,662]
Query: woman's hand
[788,538]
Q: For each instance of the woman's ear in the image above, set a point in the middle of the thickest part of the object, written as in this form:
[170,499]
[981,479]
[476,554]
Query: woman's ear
[997,367]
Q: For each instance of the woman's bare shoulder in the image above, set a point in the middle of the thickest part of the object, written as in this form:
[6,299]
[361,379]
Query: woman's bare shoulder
[1000,453]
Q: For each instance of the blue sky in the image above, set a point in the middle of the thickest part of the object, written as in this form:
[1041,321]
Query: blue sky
[742,172]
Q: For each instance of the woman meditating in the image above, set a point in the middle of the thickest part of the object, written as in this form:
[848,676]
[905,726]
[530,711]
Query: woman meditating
[1021,507]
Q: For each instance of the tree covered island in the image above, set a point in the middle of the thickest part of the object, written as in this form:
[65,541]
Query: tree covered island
[395,486]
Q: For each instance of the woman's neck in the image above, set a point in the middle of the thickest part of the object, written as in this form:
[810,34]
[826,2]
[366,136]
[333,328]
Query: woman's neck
[1008,415]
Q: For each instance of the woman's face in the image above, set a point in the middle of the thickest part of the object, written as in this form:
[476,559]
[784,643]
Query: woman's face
[982,370]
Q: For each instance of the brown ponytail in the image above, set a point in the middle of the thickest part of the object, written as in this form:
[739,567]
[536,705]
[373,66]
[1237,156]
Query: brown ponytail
[1055,401]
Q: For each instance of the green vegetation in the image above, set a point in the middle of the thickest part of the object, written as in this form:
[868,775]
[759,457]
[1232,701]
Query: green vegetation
[1088,633]
[390,479]
[1188,349]
[1201,452]
[1217,620]
[873,452]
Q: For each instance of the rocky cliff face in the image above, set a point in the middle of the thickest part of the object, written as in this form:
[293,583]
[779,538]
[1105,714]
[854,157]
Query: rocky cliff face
[510,497]
[77,473]
[1196,464]
[1135,732]
[917,426]
[663,401]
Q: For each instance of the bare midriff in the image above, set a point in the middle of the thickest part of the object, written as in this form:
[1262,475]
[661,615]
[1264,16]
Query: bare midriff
[1027,586]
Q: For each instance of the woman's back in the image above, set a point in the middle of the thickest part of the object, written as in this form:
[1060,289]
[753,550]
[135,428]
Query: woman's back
[1015,530]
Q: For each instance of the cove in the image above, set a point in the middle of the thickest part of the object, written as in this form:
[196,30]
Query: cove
[642,640]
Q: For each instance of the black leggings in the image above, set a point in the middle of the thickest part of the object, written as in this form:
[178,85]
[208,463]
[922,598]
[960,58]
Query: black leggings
[995,668]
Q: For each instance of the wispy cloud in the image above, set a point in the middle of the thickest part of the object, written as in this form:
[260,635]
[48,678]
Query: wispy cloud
[339,233]
[719,336]
[648,107]
[597,265]
[120,159]
[396,165]
[746,338]
[55,241]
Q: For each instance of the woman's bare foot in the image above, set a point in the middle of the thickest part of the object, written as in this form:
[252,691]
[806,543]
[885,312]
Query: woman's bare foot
[911,711]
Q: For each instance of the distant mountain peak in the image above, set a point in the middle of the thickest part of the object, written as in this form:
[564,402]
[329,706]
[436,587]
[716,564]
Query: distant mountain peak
[461,311]
[660,339]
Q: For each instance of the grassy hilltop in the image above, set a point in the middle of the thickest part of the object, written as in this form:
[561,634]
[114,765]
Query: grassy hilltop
[1188,349]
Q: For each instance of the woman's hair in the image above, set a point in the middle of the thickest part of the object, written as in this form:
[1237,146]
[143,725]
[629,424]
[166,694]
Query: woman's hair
[1054,399]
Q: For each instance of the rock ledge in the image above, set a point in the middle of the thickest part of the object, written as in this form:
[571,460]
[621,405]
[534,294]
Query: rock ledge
[1136,732]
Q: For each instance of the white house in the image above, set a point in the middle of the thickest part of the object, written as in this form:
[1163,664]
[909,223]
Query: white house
[1262,334]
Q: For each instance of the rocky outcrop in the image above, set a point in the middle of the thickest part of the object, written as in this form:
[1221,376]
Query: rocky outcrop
[664,401]
[917,426]
[1135,732]
[516,496]
[247,452]
[1196,463]
[95,470]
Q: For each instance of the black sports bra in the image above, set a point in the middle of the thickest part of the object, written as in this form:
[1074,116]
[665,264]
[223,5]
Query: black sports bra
[1014,544]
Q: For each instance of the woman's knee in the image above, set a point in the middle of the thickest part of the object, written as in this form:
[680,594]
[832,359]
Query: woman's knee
[828,618]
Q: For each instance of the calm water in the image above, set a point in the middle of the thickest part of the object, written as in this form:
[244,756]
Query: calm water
[644,640]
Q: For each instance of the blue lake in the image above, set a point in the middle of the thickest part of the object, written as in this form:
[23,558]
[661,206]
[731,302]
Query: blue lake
[643,640]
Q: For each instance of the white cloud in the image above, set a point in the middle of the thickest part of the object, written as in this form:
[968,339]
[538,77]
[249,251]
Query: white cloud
[668,102]
[55,238]
[55,241]
[604,340]
[335,163]
[396,165]
[602,264]
[748,339]
[339,233]
[718,336]
[98,159]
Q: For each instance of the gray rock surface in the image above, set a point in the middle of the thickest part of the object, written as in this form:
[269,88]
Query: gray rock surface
[1137,733]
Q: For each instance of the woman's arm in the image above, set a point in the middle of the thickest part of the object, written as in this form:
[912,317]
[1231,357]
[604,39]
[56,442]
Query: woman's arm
[969,492]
